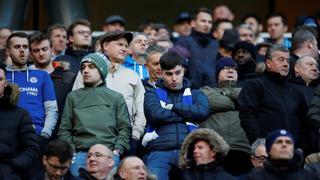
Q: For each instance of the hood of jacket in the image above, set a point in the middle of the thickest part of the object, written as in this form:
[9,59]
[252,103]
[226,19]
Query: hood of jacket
[10,96]
[216,142]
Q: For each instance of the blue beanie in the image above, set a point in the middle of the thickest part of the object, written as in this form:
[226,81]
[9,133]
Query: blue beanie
[222,62]
[272,136]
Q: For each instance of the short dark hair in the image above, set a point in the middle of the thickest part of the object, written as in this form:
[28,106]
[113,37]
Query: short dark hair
[54,27]
[273,48]
[283,17]
[254,16]
[38,37]
[16,34]
[170,60]
[60,149]
[217,23]
[200,10]
[82,22]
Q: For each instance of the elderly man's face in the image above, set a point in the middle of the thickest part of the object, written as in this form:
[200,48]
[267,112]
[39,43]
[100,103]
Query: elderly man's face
[202,153]
[307,68]
[259,157]
[99,161]
[133,169]
[282,149]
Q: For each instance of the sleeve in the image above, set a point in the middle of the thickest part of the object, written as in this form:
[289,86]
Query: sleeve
[139,122]
[155,113]
[78,82]
[248,101]
[27,143]
[197,112]
[123,126]
[217,100]
[66,126]
[50,107]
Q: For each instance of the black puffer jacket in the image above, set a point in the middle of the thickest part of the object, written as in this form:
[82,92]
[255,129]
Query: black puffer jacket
[18,141]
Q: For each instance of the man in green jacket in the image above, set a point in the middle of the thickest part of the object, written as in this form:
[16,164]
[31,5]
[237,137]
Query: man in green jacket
[224,117]
[94,114]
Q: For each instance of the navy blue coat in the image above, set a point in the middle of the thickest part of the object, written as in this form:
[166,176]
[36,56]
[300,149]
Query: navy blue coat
[202,64]
[268,103]
[73,58]
[171,125]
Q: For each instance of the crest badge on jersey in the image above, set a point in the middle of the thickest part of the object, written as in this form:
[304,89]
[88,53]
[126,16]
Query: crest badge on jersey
[33,80]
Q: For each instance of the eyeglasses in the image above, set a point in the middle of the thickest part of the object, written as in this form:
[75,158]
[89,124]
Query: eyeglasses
[97,155]
[83,32]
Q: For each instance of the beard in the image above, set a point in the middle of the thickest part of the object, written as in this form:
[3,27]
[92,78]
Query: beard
[43,64]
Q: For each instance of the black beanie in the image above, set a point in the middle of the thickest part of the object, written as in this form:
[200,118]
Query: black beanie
[245,45]
[222,62]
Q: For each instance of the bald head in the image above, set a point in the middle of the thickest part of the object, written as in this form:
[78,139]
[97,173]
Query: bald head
[132,168]
[100,161]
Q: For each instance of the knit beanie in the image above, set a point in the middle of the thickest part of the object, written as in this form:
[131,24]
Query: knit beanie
[100,61]
[222,62]
[244,45]
[272,136]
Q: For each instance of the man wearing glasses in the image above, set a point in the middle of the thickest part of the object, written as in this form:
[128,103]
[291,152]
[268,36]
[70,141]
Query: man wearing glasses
[79,36]
[56,161]
[99,163]
[259,154]
[269,102]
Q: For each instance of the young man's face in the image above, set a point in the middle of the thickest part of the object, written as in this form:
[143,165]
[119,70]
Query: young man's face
[116,50]
[3,82]
[253,23]
[282,149]
[203,23]
[54,168]
[242,56]
[276,28]
[202,153]
[81,37]
[59,40]
[279,63]
[153,66]
[90,74]
[173,78]
[19,51]
[41,53]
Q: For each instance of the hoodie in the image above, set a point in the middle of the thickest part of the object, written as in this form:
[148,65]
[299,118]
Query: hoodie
[37,96]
